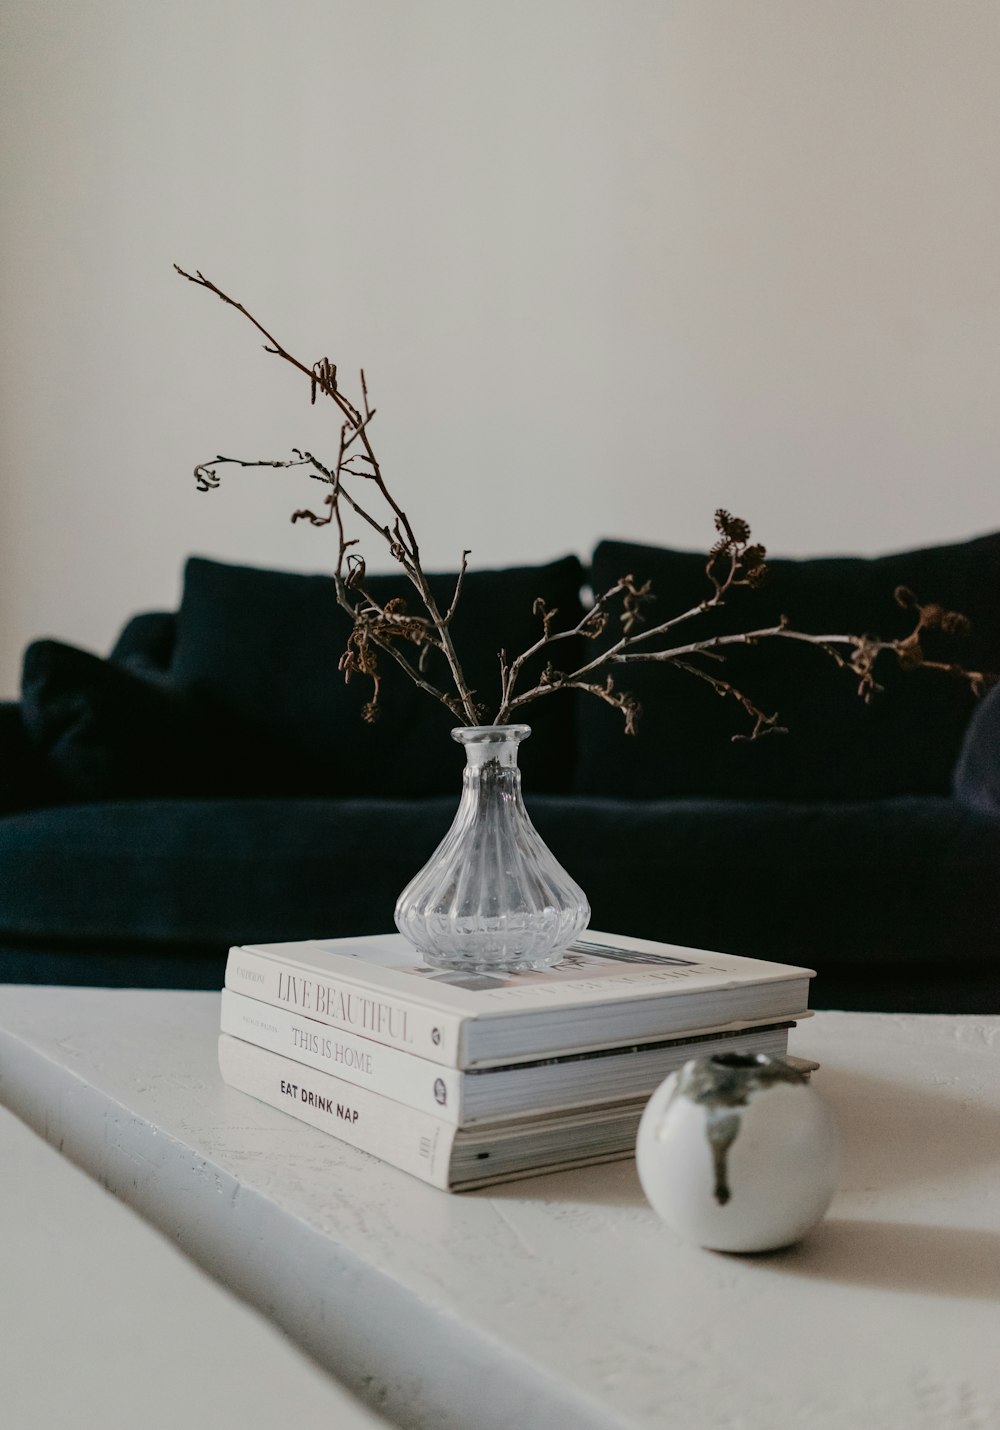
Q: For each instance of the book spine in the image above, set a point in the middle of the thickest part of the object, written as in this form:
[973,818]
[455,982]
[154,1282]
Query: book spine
[367,1013]
[405,1078]
[413,1141]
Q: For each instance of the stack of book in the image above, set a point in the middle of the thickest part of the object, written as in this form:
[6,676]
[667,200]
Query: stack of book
[465,1079]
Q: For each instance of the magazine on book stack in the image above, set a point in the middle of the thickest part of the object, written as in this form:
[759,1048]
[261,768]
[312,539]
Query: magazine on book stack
[488,1094]
[607,991]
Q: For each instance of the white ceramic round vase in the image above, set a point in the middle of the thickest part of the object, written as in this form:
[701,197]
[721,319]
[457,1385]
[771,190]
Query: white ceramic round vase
[738,1152]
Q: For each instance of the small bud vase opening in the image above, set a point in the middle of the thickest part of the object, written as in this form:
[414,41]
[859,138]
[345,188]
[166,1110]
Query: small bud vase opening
[492,897]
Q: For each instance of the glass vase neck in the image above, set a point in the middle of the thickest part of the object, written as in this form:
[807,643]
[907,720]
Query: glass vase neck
[484,743]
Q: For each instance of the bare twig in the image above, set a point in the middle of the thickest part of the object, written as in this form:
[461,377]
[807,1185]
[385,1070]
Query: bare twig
[733,562]
[763,724]
[460,581]
[398,532]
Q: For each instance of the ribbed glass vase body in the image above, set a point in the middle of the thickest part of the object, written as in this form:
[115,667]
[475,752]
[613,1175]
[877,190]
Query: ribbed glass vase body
[492,896]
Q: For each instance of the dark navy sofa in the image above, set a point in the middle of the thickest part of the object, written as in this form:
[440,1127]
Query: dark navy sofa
[213,781]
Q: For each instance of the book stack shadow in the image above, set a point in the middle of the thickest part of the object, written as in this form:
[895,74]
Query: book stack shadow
[466,1079]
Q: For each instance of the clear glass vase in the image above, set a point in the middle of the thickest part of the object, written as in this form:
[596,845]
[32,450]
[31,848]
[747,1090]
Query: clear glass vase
[492,897]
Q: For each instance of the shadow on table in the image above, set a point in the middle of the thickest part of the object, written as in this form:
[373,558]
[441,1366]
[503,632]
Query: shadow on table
[897,1256]
[898,1135]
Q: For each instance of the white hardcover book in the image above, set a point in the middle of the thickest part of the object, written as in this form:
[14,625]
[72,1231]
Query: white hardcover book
[414,1141]
[606,990]
[311,979]
[489,1094]
[427,1147]
[417,1082]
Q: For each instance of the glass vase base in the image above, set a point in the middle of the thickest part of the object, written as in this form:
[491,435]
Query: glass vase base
[501,951]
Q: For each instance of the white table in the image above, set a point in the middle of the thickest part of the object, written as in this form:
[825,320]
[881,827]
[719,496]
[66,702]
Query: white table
[105,1326]
[560,1302]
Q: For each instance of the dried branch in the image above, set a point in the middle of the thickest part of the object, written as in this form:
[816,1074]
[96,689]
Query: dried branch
[397,531]
[733,561]
[591,625]
[763,724]
[458,588]
[208,478]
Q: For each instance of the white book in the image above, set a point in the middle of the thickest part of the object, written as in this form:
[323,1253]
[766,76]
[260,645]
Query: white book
[449,1157]
[607,990]
[485,1094]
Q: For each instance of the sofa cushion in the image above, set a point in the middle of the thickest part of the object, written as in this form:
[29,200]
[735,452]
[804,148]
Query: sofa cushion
[200,871]
[837,747]
[263,647]
[977,772]
[895,903]
[105,733]
[146,643]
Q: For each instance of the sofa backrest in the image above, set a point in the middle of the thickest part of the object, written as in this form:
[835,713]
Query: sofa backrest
[260,649]
[255,655]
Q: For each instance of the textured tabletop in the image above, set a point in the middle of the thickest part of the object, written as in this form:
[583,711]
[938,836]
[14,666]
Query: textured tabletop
[560,1302]
[106,1326]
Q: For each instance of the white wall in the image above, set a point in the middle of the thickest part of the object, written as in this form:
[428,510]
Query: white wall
[608,263]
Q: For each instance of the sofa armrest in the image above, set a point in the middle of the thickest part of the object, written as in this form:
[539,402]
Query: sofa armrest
[24,779]
[976,780]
